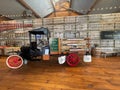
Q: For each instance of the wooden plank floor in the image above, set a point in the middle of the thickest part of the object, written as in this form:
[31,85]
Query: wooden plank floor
[101,74]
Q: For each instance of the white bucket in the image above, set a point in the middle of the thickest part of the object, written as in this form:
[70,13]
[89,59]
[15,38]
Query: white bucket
[87,58]
[61,59]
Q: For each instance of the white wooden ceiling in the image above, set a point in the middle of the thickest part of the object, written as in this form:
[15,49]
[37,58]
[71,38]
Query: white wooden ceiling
[11,8]
[41,8]
[96,6]
[106,6]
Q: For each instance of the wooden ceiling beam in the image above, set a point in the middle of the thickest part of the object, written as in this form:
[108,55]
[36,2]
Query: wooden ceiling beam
[92,7]
[28,7]
[53,8]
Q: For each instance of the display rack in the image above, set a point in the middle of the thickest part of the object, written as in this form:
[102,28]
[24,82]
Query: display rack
[37,23]
[73,45]
[77,27]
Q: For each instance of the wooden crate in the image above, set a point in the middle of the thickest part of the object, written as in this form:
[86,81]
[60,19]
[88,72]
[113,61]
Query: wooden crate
[117,43]
[108,26]
[58,34]
[117,25]
[37,23]
[107,43]
[47,21]
[70,19]
[94,35]
[46,57]
[50,27]
[95,26]
[82,19]
[83,35]
[81,27]
[117,17]
[70,27]
[107,17]
[69,35]
[9,50]
[58,28]
[58,20]
[95,18]
[98,52]
[70,44]
[92,42]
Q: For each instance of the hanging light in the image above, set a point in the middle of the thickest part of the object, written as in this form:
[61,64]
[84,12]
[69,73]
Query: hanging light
[102,8]
[98,9]
[106,8]
[93,9]
[110,8]
[115,7]
[89,10]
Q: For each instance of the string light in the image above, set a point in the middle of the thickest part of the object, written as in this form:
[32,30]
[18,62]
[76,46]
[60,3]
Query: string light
[94,9]
[6,15]
[115,7]
[89,10]
[110,8]
[81,10]
[102,8]
[106,8]
[98,9]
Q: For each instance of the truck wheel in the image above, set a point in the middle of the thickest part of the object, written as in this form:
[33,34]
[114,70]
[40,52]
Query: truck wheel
[14,61]
[73,59]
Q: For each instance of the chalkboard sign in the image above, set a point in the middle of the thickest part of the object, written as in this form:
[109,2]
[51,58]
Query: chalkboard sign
[54,46]
[110,35]
[116,34]
[107,35]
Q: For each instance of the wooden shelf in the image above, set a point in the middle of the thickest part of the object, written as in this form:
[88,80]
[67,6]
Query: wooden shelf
[79,26]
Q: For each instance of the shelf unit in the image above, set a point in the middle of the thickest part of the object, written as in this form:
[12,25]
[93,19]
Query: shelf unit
[73,45]
[16,33]
[78,27]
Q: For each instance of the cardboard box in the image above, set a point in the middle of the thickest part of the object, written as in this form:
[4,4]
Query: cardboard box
[46,57]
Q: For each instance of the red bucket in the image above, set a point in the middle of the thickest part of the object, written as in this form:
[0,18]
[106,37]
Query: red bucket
[14,61]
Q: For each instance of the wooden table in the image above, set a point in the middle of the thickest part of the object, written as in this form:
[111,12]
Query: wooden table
[2,49]
[105,53]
